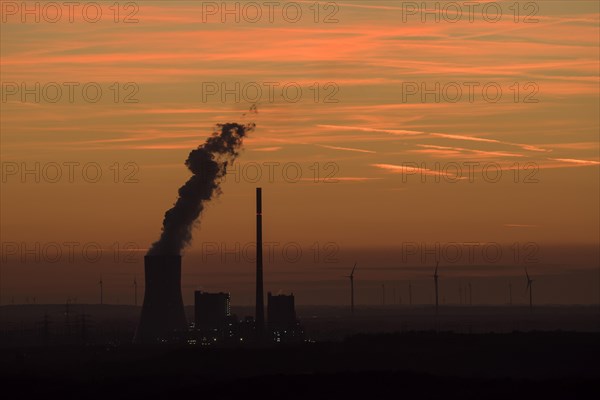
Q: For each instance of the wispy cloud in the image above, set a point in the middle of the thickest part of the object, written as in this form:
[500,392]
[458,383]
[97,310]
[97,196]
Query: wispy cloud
[267,149]
[453,151]
[346,148]
[487,140]
[576,161]
[342,179]
[467,138]
[368,129]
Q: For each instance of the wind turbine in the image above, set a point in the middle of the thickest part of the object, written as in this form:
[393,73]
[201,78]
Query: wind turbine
[351,277]
[67,313]
[435,280]
[530,288]
[101,291]
[134,291]
[470,294]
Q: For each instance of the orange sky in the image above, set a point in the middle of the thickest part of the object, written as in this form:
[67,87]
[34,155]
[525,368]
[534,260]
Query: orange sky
[391,156]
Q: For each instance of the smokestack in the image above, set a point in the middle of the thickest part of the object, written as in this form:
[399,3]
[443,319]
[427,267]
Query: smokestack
[162,311]
[260,307]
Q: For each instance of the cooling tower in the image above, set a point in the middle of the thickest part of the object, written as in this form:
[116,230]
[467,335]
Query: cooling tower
[162,312]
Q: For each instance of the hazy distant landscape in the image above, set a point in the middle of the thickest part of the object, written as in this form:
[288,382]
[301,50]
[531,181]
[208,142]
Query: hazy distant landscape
[22,324]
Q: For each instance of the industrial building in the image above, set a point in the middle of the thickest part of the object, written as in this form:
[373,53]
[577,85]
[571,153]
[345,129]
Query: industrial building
[283,324]
[211,310]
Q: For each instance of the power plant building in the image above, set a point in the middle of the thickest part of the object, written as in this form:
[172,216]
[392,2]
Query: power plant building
[281,319]
[212,310]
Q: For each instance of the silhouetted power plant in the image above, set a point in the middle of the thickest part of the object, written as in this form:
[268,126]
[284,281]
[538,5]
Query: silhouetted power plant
[162,311]
[163,316]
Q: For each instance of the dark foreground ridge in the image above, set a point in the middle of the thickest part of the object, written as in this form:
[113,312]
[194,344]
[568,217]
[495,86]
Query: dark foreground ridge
[425,365]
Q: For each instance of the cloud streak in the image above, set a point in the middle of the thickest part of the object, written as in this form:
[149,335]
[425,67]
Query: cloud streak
[347,149]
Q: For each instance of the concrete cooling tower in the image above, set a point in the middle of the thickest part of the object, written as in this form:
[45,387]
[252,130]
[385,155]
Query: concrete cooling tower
[162,312]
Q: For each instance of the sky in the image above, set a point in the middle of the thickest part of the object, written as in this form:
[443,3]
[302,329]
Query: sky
[387,134]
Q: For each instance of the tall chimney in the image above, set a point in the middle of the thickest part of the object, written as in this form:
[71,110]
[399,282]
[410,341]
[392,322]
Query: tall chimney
[162,311]
[260,307]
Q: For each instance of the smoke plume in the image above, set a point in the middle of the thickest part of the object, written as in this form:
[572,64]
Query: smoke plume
[208,163]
